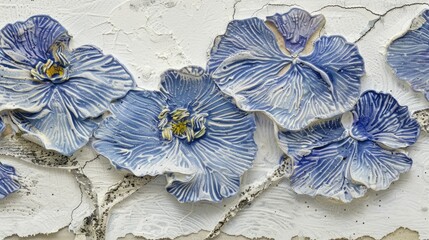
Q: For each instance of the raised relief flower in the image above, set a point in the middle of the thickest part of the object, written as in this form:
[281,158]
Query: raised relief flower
[341,159]
[188,130]
[8,177]
[281,77]
[408,55]
[55,92]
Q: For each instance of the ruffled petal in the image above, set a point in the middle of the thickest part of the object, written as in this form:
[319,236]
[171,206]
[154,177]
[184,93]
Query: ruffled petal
[379,117]
[340,66]
[376,167]
[325,172]
[296,27]
[246,58]
[408,55]
[131,140]
[24,44]
[209,185]
[95,80]
[8,183]
[299,143]
[55,127]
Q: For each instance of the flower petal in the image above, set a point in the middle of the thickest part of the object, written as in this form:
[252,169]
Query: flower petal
[377,168]
[24,44]
[379,117]
[245,58]
[325,172]
[340,66]
[299,143]
[296,27]
[95,80]
[55,127]
[8,183]
[408,55]
[209,185]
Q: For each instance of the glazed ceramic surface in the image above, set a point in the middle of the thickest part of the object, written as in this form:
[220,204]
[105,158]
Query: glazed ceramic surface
[55,92]
[408,55]
[294,87]
[341,158]
[8,177]
[188,130]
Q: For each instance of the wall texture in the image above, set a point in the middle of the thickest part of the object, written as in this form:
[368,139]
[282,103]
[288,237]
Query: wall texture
[150,36]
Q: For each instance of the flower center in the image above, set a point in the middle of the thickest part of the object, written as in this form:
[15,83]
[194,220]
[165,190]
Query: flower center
[179,123]
[54,70]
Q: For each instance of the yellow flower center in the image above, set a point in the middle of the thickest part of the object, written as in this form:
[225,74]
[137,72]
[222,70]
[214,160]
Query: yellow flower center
[179,128]
[55,70]
[179,123]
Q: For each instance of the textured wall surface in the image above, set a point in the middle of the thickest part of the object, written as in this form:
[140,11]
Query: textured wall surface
[150,36]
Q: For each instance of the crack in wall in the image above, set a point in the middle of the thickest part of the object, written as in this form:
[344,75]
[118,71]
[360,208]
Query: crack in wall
[372,23]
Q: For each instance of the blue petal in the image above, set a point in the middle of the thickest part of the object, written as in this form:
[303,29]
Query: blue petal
[376,167]
[247,64]
[2,126]
[24,44]
[8,183]
[379,117]
[298,143]
[325,171]
[296,27]
[210,185]
[246,58]
[95,80]
[207,168]
[55,127]
[409,55]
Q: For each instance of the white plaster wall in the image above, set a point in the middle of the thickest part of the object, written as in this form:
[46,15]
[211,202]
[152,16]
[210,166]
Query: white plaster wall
[150,36]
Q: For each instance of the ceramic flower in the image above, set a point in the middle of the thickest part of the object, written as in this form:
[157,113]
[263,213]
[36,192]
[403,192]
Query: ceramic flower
[341,161]
[8,182]
[55,92]
[284,79]
[408,55]
[188,130]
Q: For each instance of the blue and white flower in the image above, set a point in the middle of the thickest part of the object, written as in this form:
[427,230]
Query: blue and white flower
[284,79]
[8,177]
[188,130]
[408,55]
[55,92]
[341,161]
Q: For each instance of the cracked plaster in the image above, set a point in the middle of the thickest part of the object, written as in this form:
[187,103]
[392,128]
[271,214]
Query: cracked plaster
[150,36]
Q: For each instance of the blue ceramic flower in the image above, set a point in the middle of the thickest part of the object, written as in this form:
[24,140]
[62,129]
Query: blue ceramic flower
[188,130]
[342,161]
[290,85]
[55,93]
[409,55]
